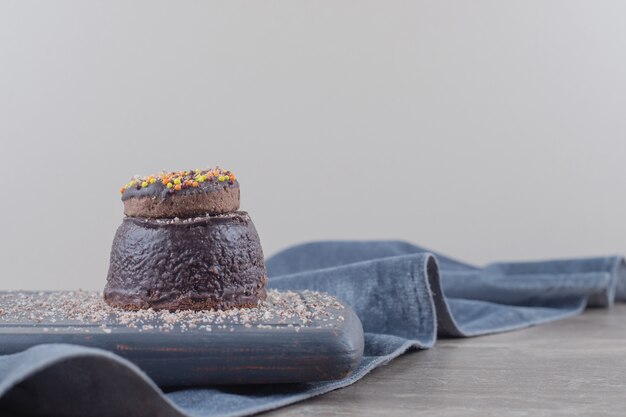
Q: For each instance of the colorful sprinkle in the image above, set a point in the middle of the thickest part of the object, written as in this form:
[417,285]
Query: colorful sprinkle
[179,180]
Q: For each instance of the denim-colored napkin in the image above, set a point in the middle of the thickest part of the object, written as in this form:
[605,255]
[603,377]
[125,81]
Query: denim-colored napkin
[404,295]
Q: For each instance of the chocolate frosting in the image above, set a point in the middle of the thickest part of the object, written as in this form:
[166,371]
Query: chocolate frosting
[160,190]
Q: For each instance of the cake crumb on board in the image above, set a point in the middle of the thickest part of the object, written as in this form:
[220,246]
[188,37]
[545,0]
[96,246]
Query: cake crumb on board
[87,309]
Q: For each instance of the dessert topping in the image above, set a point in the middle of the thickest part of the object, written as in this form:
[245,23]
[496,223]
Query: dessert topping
[178,180]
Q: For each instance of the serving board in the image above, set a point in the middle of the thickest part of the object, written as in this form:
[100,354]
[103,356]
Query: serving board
[293,337]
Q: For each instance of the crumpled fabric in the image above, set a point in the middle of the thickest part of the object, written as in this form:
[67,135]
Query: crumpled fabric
[404,295]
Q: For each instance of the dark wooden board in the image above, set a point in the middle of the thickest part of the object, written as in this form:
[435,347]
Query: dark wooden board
[328,346]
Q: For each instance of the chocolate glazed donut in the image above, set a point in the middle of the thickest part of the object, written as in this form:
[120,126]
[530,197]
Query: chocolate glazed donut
[197,263]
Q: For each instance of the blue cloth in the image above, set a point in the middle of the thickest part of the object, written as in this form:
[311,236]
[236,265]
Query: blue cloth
[405,296]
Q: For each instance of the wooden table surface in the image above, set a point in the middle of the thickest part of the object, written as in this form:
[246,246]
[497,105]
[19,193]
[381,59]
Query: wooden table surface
[574,367]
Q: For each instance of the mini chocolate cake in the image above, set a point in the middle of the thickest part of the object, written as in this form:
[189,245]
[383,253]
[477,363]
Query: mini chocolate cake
[181,194]
[184,245]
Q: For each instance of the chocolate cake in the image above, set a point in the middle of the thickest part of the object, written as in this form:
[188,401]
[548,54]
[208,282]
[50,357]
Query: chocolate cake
[184,245]
[181,194]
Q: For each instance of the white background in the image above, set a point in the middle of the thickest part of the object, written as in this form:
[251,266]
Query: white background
[487,130]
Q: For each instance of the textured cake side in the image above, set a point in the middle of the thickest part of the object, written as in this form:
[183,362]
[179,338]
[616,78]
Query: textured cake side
[219,201]
[202,263]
